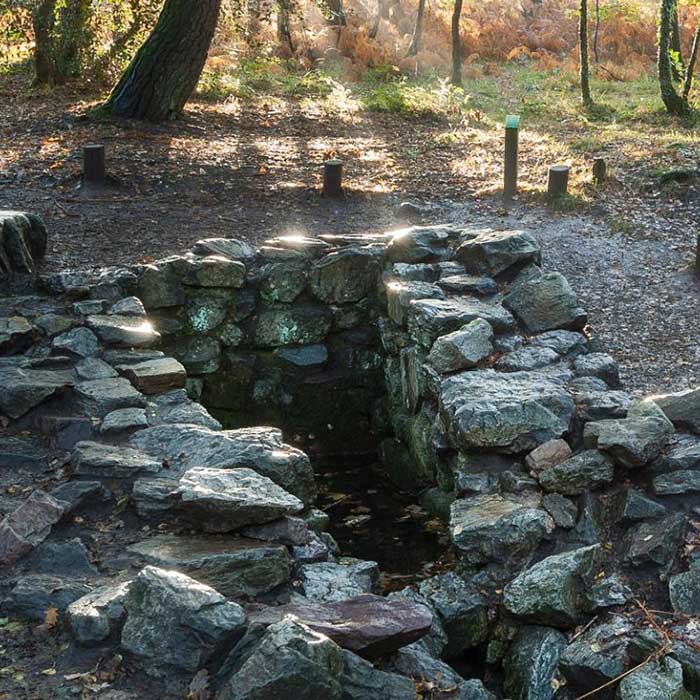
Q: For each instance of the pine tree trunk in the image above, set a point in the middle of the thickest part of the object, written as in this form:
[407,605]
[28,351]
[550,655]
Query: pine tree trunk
[414,48]
[583,53]
[456,45]
[165,70]
[674,103]
[284,27]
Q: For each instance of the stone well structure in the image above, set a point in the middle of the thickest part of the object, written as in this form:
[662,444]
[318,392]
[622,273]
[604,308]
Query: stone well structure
[169,410]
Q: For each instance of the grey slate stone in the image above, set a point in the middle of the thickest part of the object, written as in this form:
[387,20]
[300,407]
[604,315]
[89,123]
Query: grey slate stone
[582,472]
[493,252]
[333,582]
[78,341]
[463,348]
[174,621]
[221,500]
[97,615]
[235,567]
[98,397]
[112,461]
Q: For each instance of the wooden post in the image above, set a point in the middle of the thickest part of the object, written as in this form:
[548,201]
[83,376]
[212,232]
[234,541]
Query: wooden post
[697,256]
[333,178]
[94,164]
[558,182]
[510,157]
[599,170]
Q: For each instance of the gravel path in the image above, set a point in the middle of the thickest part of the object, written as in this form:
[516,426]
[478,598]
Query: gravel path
[642,299]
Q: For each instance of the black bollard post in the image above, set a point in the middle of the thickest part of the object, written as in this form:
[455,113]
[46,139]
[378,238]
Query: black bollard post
[558,182]
[599,170]
[510,157]
[333,178]
[94,164]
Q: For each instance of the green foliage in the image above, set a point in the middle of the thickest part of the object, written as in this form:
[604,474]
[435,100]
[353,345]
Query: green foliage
[399,95]
[258,77]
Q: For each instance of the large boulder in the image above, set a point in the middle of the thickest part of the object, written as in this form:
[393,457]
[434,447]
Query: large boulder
[29,525]
[684,591]
[682,408]
[346,275]
[235,567]
[461,610]
[174,621]
[221,500]
[428,319]
[261,449]
[419,244]
[531,663]
[657,680]
[367,624]
[555,590]
[583,472]
[112,461]
[493,252]
[508,412]
[490,528]
[338,581]
[25,389]
[463,348]
[632,442]
[545,302]
[97,615]
[595,657]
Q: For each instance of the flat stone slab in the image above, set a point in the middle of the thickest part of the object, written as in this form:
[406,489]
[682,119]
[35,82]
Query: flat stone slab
[111,461]
[98,397]
[25,389]
[221,500]
[123,331]
[369,625]
[234,566]
[155,376]
[261,449]
[511,412]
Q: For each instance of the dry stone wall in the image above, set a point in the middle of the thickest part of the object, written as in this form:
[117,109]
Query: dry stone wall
[452,352]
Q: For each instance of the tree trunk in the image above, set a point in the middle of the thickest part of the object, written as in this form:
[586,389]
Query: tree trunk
[414,48]
[674,103]
[60,37]
[583,53]
[676,46]
[596,31]
[338,18]
[456,45]
[690,69]
[44,19]
[164,72]
[284,28]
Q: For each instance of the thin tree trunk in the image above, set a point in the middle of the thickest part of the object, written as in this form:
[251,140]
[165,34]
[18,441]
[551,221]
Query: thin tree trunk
[414,48]
[673,102]
[690,68]
[583,53]
[338,18]
[676,46]
[456,45]
[284,29]
[165,70]
[596,31]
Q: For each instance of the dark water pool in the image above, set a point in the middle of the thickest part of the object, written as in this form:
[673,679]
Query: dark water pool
[372,519]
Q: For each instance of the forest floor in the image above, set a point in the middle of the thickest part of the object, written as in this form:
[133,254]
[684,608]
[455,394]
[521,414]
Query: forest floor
[245,162]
